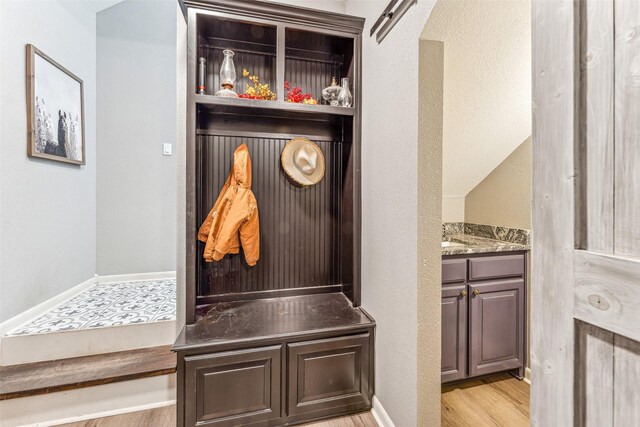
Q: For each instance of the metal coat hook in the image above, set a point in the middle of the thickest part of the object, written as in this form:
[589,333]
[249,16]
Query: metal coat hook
[392,16]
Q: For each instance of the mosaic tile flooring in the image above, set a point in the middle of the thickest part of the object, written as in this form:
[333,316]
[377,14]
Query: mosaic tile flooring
[108,304]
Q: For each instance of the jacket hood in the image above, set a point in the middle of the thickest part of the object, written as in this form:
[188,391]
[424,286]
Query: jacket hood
[242,166]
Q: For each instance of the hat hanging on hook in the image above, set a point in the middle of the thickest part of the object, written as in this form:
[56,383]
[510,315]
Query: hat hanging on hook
[303,161]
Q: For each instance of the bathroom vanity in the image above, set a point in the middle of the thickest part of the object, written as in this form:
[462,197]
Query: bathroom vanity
[483,308]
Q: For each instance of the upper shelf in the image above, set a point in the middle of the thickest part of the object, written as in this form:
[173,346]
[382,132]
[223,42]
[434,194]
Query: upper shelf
[254,104]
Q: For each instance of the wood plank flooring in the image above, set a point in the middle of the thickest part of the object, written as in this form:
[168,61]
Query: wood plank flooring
[166,417]
[497,400]
[66,374]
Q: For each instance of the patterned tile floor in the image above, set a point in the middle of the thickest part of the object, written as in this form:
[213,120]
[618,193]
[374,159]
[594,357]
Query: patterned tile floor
[109,304]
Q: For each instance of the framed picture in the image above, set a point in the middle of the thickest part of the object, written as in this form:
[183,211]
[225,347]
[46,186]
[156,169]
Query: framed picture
[55,108]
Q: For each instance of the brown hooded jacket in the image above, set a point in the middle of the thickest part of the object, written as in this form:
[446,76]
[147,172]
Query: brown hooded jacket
[233,220]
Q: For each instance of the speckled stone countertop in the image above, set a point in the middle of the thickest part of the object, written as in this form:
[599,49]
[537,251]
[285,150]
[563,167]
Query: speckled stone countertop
[479,245]
[469,238]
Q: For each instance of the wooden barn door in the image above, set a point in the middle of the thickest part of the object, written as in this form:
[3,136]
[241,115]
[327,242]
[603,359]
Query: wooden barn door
[585,320]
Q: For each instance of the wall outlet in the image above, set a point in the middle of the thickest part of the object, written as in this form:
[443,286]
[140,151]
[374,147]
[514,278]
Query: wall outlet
[166,149]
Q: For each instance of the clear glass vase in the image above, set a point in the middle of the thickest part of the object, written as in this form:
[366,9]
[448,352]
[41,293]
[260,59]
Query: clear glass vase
[227,76]
[344,97]
[330,94]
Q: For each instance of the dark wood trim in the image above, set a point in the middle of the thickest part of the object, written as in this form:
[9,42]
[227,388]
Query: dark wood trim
[275,293]
[251,134]
[68,374]
[190,218]
[283,13]
[32,51]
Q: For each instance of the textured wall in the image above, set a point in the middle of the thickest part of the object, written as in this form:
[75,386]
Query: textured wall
[453,209]
[487,86]
[504,197]
[136,183]
[47,209]
[390,206]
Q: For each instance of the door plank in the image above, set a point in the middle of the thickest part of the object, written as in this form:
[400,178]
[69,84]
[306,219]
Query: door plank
[627,128]
[594,376]
[626,411]
[552,338]
[594,222]
[607,292]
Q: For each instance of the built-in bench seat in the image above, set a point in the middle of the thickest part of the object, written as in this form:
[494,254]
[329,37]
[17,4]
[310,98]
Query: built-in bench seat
[275,361]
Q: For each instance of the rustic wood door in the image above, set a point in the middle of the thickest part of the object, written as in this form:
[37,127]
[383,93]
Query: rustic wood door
[585,319]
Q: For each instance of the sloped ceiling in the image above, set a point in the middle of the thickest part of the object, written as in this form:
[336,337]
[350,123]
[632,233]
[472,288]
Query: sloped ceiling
[487,85]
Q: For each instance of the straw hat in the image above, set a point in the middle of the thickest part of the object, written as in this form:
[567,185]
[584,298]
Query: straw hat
[303,161]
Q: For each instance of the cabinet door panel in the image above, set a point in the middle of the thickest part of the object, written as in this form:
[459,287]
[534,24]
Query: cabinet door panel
[454,270]
[454,333]
[329,375]
[496,334]
[233,388]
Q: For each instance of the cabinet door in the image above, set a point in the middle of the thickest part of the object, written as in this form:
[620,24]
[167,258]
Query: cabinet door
[496,334]
[233,388]
[330,376]
[454,332]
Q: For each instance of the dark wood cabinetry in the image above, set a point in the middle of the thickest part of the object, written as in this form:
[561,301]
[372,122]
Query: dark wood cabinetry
[483,315]
[286,341]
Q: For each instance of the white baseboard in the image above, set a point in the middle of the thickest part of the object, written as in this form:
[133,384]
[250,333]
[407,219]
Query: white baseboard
[87,403]
[527,376]
[159,275]
[380,415]
[30,314]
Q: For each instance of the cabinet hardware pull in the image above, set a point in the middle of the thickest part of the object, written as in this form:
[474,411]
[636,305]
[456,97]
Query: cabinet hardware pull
[463,293]
[476,292]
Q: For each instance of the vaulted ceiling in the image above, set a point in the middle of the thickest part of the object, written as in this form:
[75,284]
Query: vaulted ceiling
[487,85]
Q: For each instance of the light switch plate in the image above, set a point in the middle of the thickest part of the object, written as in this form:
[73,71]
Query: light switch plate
[166,149]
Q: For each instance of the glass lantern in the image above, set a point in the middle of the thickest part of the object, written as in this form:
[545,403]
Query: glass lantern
[227,76]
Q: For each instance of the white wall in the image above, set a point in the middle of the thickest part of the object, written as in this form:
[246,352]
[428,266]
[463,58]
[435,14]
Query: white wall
[47,209]
[487,85]
[136,104]
[390,203]
[453,209]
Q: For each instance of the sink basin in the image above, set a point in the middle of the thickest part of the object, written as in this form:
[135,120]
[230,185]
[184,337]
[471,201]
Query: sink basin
[451,244]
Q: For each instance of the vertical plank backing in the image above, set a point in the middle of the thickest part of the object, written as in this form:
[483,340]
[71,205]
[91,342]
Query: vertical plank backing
[594,376]
[627,128]
[552,352]
[626,411]
[594,222]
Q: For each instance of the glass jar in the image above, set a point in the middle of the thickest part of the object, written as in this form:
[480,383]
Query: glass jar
[330,94]
[344,97]
[227,76]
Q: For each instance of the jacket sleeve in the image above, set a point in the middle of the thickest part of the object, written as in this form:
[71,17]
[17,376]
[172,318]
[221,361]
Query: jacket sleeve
[250,237]
[203,232]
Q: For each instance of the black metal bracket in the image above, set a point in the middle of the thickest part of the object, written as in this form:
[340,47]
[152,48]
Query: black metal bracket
[392,16]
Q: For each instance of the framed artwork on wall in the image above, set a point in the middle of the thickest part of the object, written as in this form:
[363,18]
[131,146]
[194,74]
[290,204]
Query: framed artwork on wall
[55,108]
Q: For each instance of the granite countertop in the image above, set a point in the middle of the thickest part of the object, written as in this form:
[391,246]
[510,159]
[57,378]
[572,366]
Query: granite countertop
[466,244]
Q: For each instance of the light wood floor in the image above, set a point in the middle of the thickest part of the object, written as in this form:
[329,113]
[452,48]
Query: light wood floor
[166,417]
[497,400]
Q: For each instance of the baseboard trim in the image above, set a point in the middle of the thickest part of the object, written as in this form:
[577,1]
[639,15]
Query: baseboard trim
[30,314]
[527,376]
[111,413]
[380,415]
[158,275]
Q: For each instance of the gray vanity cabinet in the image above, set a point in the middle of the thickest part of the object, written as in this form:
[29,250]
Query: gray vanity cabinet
[496,326]
[483,315]
[454,332]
